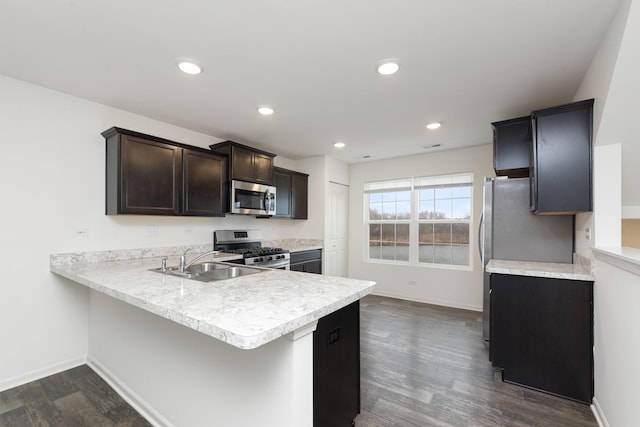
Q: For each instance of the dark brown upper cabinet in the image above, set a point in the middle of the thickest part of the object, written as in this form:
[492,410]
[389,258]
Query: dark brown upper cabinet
[512,147]
[246,163]
[561,159]
[154,176]
[204,187]
[291,193]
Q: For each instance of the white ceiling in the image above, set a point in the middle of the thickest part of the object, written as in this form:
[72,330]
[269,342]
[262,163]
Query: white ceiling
[465,63]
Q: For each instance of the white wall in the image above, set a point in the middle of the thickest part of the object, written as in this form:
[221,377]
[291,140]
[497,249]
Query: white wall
[616,345]
[596,84]
[53,186]
[612,80]
[455,288]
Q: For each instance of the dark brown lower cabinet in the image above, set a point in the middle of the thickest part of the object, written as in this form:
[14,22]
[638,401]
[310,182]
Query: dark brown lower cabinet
[336,368]
[307,261]
[542,334]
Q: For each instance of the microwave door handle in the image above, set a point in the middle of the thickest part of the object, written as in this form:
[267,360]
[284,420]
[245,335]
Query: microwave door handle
[266,201]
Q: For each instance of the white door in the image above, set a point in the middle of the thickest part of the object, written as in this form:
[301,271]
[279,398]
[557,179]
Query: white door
[336,250]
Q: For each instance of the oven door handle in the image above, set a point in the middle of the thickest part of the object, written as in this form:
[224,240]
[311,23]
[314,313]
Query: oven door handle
[274,264]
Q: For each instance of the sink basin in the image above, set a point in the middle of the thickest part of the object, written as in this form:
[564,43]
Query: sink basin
[206,267]
[210,271]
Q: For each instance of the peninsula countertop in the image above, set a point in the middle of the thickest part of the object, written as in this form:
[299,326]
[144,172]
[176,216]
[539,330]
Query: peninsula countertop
[577,271]
[246,311]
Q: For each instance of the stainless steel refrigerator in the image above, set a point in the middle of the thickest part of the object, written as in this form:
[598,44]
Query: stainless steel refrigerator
[509,231]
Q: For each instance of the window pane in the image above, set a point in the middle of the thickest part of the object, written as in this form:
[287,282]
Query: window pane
[375,233]
[402,252]
[443,209]
[388,232]
[426,209]
[459,192]
[375,211]
[389,196]
[443,193]
[402,233]
[403,196]
[426,194]
[442,254]
[403,210]
[425,233]
[388,251]
[375,250]
[461,208]
[425,253]
[442,233]
[460,254]
[460,234]
[389,210]
[375,197]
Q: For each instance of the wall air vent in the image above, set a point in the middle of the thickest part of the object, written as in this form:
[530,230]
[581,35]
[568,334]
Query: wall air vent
[426,147]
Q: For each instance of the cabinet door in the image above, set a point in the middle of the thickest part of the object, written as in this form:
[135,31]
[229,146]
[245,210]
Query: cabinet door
[562,159]
[299,196]
[336,368]
[314,267]
[282,182]
[297,267]
[542,333]
[149,177]
[203,180]
[262,168]
[242,164]
[511,147]
[307,261]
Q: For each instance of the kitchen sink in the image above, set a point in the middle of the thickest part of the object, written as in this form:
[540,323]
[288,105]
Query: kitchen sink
[209,271]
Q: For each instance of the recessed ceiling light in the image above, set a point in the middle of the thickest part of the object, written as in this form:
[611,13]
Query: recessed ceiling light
[434,125]
[265,110]
[339,144]
[189,67]
[388,67]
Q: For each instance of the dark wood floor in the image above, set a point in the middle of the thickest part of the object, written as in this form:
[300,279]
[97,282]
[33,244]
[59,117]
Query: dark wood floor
[422,365]
[426,365]
[74,398]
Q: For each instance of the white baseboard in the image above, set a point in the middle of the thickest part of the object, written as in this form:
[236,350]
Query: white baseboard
[41,373]
[430,301]
[597,412]
[144,409]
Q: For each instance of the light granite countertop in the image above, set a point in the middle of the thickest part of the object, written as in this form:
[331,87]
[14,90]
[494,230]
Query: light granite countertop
[246,311]
[578,271]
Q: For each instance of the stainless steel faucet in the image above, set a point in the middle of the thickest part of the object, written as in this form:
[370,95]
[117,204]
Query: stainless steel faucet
[183,259]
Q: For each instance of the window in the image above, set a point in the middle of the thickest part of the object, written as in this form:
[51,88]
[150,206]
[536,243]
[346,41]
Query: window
[424,220]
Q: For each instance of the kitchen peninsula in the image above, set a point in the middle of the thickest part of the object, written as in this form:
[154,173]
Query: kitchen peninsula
[232,352]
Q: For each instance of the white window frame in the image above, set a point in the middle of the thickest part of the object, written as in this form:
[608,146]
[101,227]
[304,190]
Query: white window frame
[414,184]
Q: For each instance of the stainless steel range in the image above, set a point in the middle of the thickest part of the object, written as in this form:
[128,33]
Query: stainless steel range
[247,243]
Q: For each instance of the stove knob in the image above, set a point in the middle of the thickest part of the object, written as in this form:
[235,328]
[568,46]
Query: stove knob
[259,259]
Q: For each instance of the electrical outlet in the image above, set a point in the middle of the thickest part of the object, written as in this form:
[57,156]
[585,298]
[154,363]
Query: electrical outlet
[412,282]
[188,230]
[587,233]
[81,232]
[153,231]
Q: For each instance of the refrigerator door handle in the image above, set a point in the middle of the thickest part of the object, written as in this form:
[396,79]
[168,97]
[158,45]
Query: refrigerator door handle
[480,223]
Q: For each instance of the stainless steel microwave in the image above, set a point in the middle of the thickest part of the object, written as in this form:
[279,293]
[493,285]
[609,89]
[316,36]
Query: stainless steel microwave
[252,199]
